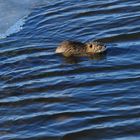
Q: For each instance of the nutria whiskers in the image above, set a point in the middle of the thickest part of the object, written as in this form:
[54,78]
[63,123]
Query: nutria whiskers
[74,48]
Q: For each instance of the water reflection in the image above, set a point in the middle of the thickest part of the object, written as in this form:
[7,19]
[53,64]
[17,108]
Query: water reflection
[78,59]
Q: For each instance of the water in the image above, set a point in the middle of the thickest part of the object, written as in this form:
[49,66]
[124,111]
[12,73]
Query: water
[13,14]
[46,96]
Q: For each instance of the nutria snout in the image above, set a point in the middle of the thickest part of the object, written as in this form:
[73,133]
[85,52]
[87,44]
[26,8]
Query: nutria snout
[73,48]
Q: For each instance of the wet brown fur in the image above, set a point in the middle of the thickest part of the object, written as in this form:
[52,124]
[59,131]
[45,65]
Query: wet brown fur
[69,48]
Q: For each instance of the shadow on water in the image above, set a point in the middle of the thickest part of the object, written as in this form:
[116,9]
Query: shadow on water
[78,59]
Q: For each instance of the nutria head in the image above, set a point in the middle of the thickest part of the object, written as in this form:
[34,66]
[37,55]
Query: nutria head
[95,47]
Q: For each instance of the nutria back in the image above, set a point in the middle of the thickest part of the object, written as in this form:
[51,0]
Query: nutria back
[71,47]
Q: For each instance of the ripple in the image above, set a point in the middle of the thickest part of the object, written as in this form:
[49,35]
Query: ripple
[47,96]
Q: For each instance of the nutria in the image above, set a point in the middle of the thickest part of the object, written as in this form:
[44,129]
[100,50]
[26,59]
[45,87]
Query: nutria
[74,48]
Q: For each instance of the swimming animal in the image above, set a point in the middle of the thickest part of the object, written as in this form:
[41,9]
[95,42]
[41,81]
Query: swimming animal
[75,48]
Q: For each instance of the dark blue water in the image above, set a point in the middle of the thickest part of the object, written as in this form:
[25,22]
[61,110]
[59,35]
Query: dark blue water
[44,96]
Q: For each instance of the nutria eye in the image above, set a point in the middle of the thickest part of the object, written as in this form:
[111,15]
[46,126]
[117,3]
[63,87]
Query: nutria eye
[90,46]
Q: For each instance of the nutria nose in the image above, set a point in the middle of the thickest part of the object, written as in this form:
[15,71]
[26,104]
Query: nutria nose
[104,48]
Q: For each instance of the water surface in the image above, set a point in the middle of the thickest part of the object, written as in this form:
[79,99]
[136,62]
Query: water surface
[46,96]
